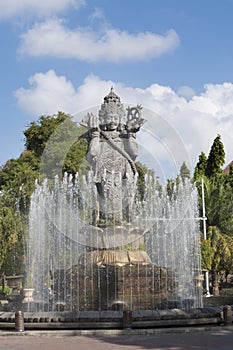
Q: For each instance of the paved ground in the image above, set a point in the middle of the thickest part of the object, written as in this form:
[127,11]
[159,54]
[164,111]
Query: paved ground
[218,339]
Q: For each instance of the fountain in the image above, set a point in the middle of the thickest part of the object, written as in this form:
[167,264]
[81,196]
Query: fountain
[95,244]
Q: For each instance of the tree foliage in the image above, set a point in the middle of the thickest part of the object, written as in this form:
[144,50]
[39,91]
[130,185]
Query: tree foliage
[217,249]
[173,184]
[200,168]
[184,172]
[142,171]
[12,230]
[38,133]
[53,143]
[216,158]
[216,255]
[229,178]
[219,203]
[64,150]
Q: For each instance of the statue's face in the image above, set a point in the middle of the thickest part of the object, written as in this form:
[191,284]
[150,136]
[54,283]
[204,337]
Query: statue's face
[112,121]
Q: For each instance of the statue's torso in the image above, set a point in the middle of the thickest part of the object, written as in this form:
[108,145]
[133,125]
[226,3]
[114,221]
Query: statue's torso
[110,160]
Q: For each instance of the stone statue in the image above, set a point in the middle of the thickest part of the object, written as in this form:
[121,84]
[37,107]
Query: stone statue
[112,149]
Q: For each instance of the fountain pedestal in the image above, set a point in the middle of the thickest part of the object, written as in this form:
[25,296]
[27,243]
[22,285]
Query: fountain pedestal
[109,280]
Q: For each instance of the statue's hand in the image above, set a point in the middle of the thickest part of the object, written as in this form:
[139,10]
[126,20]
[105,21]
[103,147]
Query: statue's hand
[134,119]
[95,132]
[91,121]
[134,125]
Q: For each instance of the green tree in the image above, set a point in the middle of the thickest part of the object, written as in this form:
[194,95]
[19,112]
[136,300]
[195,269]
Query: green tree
[229,177]
[142,171]
[58,144]
[38,133]
[17,179]
[200,168]
[18,176]
[184,172]
[20,173]
[12,229]
[173,184]
[65,150]
[229,261]
[216,250]
[215,255]
[218,204]
[216,158]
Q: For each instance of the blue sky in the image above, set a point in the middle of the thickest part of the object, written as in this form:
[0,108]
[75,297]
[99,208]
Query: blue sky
[175,57]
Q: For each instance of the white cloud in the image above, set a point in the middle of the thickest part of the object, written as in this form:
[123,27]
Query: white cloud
[46,91]
[176,129]
[9,8]
[216,100]
[49,93]
[52,38]
[185,91]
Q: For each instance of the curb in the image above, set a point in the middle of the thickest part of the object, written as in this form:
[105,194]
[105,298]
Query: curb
[117,332]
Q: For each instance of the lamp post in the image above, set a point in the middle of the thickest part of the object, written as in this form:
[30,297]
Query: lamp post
[204,218]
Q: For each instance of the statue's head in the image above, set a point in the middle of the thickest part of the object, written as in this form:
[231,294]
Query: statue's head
[111,121]
[112,113]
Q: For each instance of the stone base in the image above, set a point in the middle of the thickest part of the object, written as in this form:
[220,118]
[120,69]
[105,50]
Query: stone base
[106,286]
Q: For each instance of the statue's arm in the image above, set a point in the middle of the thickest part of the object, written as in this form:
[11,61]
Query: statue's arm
[131,146]
[93,147]
[91,121]
[134,123]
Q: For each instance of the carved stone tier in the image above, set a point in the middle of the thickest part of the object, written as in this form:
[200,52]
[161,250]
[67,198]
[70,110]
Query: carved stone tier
[107,237]
[118,257]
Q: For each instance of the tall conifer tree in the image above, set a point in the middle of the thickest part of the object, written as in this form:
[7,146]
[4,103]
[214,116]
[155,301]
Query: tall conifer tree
[200,168]
[216,158]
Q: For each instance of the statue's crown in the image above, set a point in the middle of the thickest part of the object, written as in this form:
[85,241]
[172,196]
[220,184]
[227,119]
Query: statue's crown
[112,97]
[112,105]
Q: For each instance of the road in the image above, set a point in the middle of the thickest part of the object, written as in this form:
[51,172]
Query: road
[214,340]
